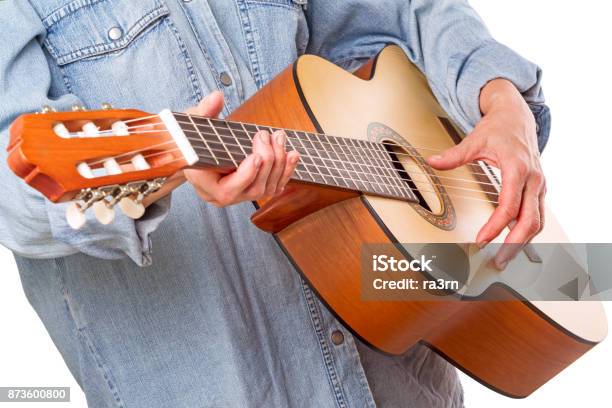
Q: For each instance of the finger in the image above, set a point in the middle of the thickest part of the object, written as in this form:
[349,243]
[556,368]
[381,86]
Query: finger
[262,146]
[211,106]
[542,203]
[293,158]
[231,188]
[463,153]
[278,140]
[526,227]
[513,184]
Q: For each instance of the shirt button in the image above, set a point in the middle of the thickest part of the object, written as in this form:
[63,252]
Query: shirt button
[337,337]
[115,33]
[225,79]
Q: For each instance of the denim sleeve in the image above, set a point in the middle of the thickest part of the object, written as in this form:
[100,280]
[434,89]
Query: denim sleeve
[446,39]
[30,225]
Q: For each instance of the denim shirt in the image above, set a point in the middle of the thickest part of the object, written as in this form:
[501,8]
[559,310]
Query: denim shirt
[156,54]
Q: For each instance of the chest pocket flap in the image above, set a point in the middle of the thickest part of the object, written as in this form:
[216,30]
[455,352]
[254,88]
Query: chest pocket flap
[88,28]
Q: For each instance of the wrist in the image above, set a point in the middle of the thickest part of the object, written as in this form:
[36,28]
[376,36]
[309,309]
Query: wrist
[500,93]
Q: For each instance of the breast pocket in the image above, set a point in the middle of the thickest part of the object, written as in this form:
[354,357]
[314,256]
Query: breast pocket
[277,32]
[128,52]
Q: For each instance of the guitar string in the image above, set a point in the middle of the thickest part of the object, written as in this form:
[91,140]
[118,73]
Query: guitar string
[377,155]
[308,155]
[353,163]
[385,159]
[392,196]
[109,132]
[323,177]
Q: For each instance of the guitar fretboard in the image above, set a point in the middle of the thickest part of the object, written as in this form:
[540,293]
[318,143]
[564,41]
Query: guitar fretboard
[326,160]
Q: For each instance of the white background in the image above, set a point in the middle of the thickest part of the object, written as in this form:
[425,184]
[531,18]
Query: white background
[570,40]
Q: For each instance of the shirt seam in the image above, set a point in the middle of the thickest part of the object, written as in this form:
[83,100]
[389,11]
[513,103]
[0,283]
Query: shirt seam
[315,318]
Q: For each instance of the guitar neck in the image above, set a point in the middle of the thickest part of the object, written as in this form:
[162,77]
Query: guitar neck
[331,161]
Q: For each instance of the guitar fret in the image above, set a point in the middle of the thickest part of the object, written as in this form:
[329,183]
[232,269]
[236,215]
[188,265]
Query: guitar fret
[237,141]
[400,186]
[343,162]
[331,169]
[382,166]
[354,161]
[203,139]
[382,184]
[224,144]
[356,154]
[306,157]
[297,167]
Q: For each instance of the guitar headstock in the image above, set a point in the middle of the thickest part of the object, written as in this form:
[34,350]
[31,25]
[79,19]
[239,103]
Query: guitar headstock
[97,158]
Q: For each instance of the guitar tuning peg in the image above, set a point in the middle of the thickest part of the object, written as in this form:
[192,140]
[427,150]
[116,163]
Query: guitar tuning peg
[133,209]
[47,109]
[75,215]
[78,108]
[107,106]
[104,213]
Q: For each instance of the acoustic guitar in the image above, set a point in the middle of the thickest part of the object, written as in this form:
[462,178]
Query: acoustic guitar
[362,180]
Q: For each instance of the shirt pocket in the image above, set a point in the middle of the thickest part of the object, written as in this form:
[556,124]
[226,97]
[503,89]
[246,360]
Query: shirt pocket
[278,32]
[114,50]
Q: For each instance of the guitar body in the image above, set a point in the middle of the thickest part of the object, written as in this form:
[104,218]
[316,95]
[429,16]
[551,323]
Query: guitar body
[512,346]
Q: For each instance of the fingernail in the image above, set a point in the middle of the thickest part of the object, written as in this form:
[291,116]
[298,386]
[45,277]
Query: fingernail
[280,138]
[265,137]
[482,244]
[436,157]
[257,161]
[294,159]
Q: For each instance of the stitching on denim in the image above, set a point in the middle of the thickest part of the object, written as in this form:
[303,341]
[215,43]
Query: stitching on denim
[61,267]
[315,318]
[188,63]
[363,379]
[249,39]
[226,50]
[291,6]
[67,10]
[202,48]
[98,49]
[101,366]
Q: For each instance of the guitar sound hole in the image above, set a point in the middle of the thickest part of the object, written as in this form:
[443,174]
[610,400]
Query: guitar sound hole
[415,177]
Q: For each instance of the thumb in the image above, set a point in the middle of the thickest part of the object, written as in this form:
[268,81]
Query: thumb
[211,106]
[456,156]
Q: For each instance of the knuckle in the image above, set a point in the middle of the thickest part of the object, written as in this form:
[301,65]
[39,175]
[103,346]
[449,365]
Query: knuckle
[534,226]
[538,177]
[267,156]
[521,168]
[270,191]
[510,210]
[256,192]
[542,224]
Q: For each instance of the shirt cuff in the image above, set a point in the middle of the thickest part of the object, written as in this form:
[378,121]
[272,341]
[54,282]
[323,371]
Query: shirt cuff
[122,237]
[541,113]
[491,61]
